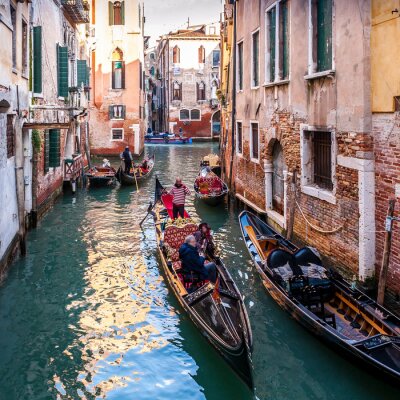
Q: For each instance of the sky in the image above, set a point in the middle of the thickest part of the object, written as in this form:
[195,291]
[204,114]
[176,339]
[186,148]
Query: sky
[163,16]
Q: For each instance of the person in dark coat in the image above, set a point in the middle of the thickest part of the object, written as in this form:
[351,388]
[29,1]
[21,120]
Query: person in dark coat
[127,157]
[192,261]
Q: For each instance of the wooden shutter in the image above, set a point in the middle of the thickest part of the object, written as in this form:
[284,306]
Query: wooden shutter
[54,148]
[110,112]
[81,70]
[272,42]
[285,39]
[110,13]
[123,75]
[324,35]
[123,112]
[46,152]
[37,59]
[122,12]
[62,66]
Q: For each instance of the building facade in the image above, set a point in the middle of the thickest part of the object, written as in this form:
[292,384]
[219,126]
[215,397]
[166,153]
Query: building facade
[300,149]
[117,55]
[385,57]
[188,62]
[151,89]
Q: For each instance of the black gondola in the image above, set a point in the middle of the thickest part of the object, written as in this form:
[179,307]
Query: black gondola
[141,172]
[209,187]
[217,310]
[322,301]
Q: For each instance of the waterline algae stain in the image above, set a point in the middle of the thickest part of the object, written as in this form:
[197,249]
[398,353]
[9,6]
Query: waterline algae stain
[87,314]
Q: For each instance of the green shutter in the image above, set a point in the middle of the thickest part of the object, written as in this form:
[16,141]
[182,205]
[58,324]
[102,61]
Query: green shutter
[46,152]
[110,13]
[81,70]
[62,69]
[123,12]
[272,40]
[54,148]
[285,39]
[37,59]
[324,35]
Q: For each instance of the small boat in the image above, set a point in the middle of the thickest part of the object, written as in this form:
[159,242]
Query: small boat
[209,187]
[322,301]
[213,162]
[101,176]
[141,171]
[166,138]
[217,310]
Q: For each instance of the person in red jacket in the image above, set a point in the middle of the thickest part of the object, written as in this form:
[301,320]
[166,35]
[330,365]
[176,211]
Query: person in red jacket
[179,193]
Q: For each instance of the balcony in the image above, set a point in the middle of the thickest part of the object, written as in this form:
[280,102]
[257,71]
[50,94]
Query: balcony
[78,10]
[73,168]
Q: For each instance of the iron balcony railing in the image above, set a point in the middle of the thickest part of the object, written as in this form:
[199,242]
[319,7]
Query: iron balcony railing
[78,10]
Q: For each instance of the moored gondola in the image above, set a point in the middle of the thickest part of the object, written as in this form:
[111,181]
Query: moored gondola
[101,176]
[209,187]
[323,301]
[138,173]
[217,310]
[213,161]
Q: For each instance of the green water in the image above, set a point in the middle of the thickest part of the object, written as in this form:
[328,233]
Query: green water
[87,314]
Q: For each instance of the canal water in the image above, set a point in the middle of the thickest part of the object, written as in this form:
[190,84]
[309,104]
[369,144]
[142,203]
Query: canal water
[87,314]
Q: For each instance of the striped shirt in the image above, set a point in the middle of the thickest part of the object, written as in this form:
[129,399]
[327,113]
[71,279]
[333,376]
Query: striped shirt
[179,194]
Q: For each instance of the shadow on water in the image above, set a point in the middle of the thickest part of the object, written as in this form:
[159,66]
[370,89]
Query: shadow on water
[87,313]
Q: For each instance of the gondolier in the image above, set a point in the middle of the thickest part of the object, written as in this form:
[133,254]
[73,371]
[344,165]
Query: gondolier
[179,193]
[127,157]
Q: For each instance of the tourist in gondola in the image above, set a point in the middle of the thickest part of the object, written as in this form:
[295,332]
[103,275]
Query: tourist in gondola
[179,192]
[204,239]
[193,262]
[127,157]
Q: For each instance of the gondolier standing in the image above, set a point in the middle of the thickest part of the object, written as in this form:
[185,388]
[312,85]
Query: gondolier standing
[127,157]
[179,193]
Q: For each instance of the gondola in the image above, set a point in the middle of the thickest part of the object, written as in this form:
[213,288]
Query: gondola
[166,138]
[216,310]
[209,187]
[101,176]
[213,161]
[140,171]
[322,301]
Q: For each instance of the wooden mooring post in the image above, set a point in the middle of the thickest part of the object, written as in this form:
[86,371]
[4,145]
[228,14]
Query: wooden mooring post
[386,253]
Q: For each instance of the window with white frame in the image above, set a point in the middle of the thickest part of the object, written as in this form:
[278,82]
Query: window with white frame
[195,115]
[254,141]
[240,66]
[239,137]
[277,42]
[117,134]
[318,155]
[255,59]
[216,57]
[184,114]
[320,36]
[116,112]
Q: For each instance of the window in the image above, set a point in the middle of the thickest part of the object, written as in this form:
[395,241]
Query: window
[13,13]
[202,55]
[152,71]
[212,30]
[116,13]
[278,178]
[320,36]
[255,68]
[24,48]
[176,55]
[176,91]
[117,134]
[216,56]
[152,56]
[54,148]
[322,150]
[201,91]
[239,137]
[195,115]
[46,152]
[62,71]
[254,141]
[118,75]
[37,59]
[82,73]
[10,136]
[277,49]
[116,112]
[184,115]
[240,66]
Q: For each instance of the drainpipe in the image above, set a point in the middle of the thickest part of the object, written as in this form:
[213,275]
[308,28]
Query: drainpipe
[233,111]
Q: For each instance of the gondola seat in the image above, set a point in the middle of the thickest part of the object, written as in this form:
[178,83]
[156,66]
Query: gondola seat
[208,185]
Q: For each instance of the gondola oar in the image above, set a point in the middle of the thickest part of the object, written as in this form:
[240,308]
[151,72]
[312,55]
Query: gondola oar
[149,211]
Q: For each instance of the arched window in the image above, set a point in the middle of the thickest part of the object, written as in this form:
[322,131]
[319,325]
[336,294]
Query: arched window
[202,55]
[201,91]
[116,12]
[184,114]
[176,90]
[195,115]
[152,56]
[176,55]
[118,69]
